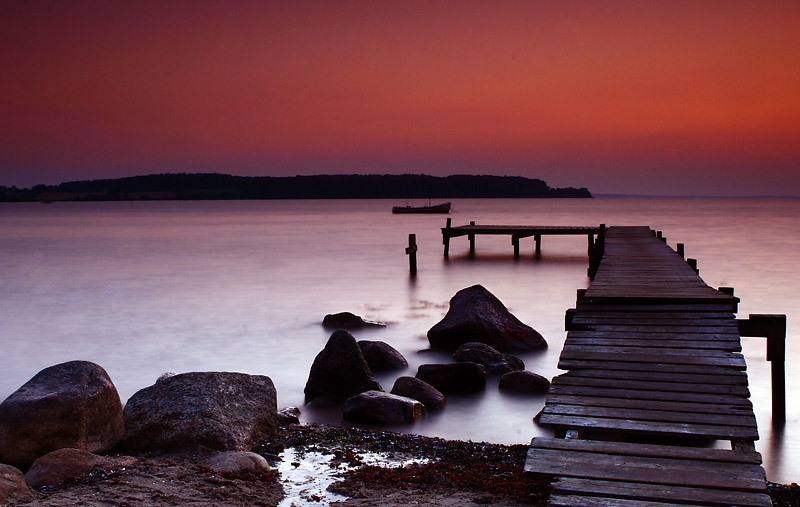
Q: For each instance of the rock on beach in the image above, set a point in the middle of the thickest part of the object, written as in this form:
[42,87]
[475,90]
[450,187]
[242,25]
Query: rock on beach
[412,387]
[524,382]
[220,410]
[347,320]
[382,408]
[453,377]
[71,404]
[12,485]
[491,359]
[476,315]
[340,371]
[381,356]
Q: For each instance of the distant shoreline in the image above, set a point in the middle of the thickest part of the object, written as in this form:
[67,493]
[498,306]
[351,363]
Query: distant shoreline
[211,186]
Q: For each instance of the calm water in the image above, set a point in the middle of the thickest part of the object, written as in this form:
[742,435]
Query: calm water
[149,287]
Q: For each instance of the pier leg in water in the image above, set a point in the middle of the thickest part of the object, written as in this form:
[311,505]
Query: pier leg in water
[471,242]
[446,239]
[411,251]
[537,238]
[515,242]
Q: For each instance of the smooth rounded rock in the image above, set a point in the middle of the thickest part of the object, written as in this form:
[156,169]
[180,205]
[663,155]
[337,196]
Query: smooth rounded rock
[71,404]
[382,408]
[220,410]
[381,356]
[340,371]
[494,361]
[238,462]
[476,315]
[288,416]
[412,387]
[453,377]
[347,320]
[524,382]
[12,485]
[60,466]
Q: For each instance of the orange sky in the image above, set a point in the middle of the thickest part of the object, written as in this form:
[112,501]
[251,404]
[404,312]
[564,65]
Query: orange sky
[679,97]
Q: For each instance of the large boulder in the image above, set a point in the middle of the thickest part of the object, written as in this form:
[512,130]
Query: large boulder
[72,404]
[382,408]
[340,371]
[524,382]
[219,410]
[486,355]
[12,485]
[381,356]
[453,377]
[476,315]
[347,320]
[412,387]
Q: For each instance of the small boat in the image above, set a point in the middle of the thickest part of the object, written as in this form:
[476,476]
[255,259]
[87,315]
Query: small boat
[435,208]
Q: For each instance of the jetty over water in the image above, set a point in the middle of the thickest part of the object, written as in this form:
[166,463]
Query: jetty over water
[654,378]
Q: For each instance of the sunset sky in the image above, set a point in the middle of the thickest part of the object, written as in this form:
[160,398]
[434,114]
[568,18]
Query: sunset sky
[648,97]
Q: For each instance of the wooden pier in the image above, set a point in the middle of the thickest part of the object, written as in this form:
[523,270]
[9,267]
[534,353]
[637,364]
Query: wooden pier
[655,375]
[517,232]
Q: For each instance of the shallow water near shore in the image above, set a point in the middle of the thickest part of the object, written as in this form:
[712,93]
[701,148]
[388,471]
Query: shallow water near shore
[143,288]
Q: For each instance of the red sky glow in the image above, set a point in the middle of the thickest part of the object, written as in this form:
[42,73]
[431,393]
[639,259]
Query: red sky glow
[678,98]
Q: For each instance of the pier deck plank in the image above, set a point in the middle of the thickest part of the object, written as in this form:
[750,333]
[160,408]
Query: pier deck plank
[652,351]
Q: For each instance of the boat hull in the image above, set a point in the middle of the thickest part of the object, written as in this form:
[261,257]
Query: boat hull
[438,208]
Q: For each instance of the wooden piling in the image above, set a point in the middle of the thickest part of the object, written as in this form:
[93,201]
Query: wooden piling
[537,238]
[471,238]
[693,264]
[681,250]
[773,327]
[411,251]
[446,239]
[515,242]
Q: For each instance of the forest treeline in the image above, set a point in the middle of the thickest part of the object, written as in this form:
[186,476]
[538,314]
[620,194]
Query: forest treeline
[184,186]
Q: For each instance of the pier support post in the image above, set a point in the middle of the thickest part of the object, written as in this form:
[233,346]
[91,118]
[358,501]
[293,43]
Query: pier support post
[446,239]
[537,238]
[515,242]
[471,242]
[693,265]
[681,250]
[601,239]
[411,251]
[773,327]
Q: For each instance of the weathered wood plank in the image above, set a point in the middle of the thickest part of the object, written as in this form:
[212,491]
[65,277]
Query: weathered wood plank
[650,415]
[724,345]
[657,428]
[646,385]
[651,450]
[732,361]
[559,500]
[688,407]
[660,351]
[651,492]
[594,333]
[649,395]
[570,364]
[662,376]
[733,476]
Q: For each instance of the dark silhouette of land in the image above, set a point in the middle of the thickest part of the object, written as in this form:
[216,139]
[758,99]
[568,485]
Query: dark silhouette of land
[182,186]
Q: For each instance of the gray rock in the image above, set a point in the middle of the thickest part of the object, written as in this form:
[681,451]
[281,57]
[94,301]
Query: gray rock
[347,320]
[238,462]
[490,358]
[381,356]
[412,387]
[382,408]
[525,382]
[219,410]
[72,404]
[453,377]
[59,466]
[288,416]
[340,371]
[476,315]
[12,485]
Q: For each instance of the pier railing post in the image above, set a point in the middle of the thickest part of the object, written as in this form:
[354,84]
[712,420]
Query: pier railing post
[773,327]
[471,242]
[411,251]
[446,238]
[693,264]
[681,250]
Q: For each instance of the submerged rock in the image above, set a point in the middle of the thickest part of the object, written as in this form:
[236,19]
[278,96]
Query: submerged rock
[412,387]
[525,382]
[71,404]
[347,320]
[476,315]
[340,371]
[220,410]
[489,357]
[381,356]
[453,377]
[382,408]
[288,415]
